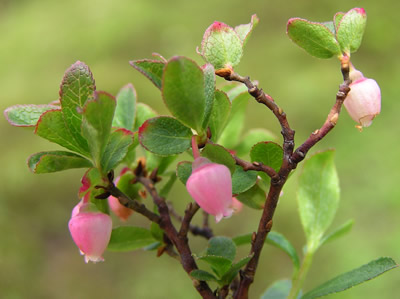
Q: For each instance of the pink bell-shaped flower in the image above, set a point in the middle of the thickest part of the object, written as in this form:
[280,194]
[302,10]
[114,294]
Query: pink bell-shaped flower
[210,185]
[363,102]
[91,231]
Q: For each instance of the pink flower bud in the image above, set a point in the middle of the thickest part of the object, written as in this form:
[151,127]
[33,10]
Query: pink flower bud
[363,102]
[210,185]
[91,231]
[237,206]
[121,211]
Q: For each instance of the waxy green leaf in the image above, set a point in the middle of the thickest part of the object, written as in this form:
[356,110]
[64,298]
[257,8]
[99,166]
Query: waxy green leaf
[96,123]
[352,278]
[254,197]
[222,246]
[252,137]
[221,46]
[165,136]
[143,113]
[234,270]
[220,155]
[116,149]
[76,88]
[128,238]
[52,161]
[267,153]
[183,90]
[219,114]
[202,275]
[313,37]
[26,115]
[209,92]
[244,30]
[233,129]
[152,69]
[242,180]
[125,111]
[318,196]
[351,30]
[183,171]
[51,126]
[220,265]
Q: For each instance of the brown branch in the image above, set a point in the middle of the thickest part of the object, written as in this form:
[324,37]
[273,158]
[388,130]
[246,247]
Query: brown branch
[290,161]
[189,213]
[257,166]
[180,241]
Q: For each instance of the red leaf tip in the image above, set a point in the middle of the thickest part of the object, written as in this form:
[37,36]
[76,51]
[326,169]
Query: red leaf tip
[361,11]
[218,26]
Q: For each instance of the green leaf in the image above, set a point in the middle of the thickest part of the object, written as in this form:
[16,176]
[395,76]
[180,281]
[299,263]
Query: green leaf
[165,136]
[338,232]
[351,30]
[254,197]
[218,154]
[96,123]
[278,290]
[220,265]
[202,275]
[125,185]
[125,111]
[128,238]
[76,88]
[143,113]
[183,90]
[318,196]
[244,30]
[183,171]
[209,92]
[52,161]
[221,46]
[219,114]
[233,129]
[116,149]
[252,137]
[52,127]
[26,115]
[222,246]
[337,18]
[234,270]
[313,37]
[267,153]
[278,240]
[152,69]
[242,180]
[353,278]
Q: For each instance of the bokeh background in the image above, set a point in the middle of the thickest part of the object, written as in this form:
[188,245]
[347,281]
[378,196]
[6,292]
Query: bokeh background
[40,39]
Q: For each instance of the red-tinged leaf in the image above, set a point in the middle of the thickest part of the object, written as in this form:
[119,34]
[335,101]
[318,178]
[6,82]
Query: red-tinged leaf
[96,123]
[244,30]
[116,149]
[152,69]
[76,88]
[51,126]
[26,115]
[351,30]
[53,161]
[313,37]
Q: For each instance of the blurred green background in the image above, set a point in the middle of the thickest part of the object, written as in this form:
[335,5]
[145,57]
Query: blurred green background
[39,40]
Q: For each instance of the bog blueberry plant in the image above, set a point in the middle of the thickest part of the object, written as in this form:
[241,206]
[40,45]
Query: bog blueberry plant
[228,170]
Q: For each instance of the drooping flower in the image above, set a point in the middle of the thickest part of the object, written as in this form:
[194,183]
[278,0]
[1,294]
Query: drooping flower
[363,102]
[90,230]
[210,185]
